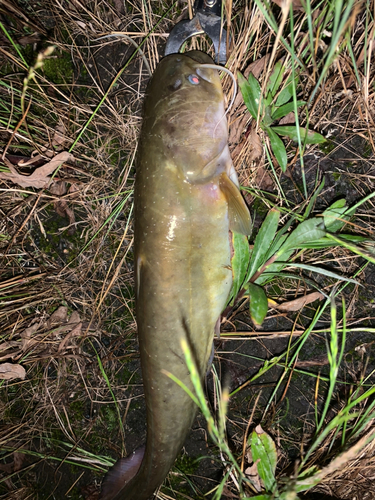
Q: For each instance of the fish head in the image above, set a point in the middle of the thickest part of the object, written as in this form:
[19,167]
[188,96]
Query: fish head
[184,111]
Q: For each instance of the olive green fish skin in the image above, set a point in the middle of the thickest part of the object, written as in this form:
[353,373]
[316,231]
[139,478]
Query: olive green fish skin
[182,249]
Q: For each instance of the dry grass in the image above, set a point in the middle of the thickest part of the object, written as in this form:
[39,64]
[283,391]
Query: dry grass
[66,307]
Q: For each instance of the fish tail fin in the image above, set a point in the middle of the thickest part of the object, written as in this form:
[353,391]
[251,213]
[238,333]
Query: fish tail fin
[121,473]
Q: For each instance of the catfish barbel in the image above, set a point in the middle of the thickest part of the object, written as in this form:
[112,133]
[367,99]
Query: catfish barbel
[186,201]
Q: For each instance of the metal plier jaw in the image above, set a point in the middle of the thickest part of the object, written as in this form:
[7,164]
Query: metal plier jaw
[207,19]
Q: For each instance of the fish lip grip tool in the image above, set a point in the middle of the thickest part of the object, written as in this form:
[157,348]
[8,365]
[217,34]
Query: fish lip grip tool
[207,19]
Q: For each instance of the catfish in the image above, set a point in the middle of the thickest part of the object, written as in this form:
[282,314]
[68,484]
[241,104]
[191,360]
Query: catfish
[187,200]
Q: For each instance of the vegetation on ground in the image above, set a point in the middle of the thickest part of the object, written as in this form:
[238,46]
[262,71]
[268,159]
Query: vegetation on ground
[288,410]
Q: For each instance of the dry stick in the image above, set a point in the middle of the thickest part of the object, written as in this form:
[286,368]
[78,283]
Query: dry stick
[23,224]
[15,130]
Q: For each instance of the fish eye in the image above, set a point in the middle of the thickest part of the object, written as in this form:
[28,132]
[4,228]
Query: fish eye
[194,79]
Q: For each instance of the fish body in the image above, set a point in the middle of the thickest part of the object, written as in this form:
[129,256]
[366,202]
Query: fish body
[183,199]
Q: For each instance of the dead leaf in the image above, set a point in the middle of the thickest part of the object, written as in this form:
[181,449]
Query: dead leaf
[64,211]
[297,304]
[287,119]
[9,371]
[18,460]
[59,137]
[58,188]
[252,473]
[27,341]
[73,189]
[39,178]
[35,161]
[254,145]
[296,4]
[25,40]
[263,179]
[58,317]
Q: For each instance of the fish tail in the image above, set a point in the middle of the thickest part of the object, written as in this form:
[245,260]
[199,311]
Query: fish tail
[121,473]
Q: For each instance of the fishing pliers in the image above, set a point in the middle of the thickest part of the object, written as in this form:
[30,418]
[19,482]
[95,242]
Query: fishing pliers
[207,19]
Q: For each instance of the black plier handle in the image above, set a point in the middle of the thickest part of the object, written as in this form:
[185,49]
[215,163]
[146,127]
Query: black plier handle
[207,19]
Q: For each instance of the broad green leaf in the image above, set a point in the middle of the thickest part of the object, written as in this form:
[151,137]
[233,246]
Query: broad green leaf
[263,449]
[287,93]
[285,109]
[240,261]
[251,93]
[307,136]
[278,148]
[275,80]
[308,230]
[258,303]
[334,218]
[263,241]
[281,236]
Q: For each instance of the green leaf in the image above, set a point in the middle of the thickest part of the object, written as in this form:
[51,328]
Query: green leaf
[307,136]
[251,93]
[263,449]
[334,218]
[320,270]
[240,261]
[287,92]
[308,230]
[263,241]
[275,80]
[260,497]
[314,197]
[327,242]
[285,109]
[274,268]
[366,254]
[278,148]
[258,303]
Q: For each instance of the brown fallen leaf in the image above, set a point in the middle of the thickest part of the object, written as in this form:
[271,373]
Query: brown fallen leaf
[61,206]
[9,371]
[25,40]
[297,304]
[287,119]
[296,4]
[252,473]
[9,350]
[255,147]
[39,178]
[57,317]
[27,341]
[59,137]
[58,188]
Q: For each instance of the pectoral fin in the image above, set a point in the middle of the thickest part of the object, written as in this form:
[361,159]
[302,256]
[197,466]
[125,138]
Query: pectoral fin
[239,215]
